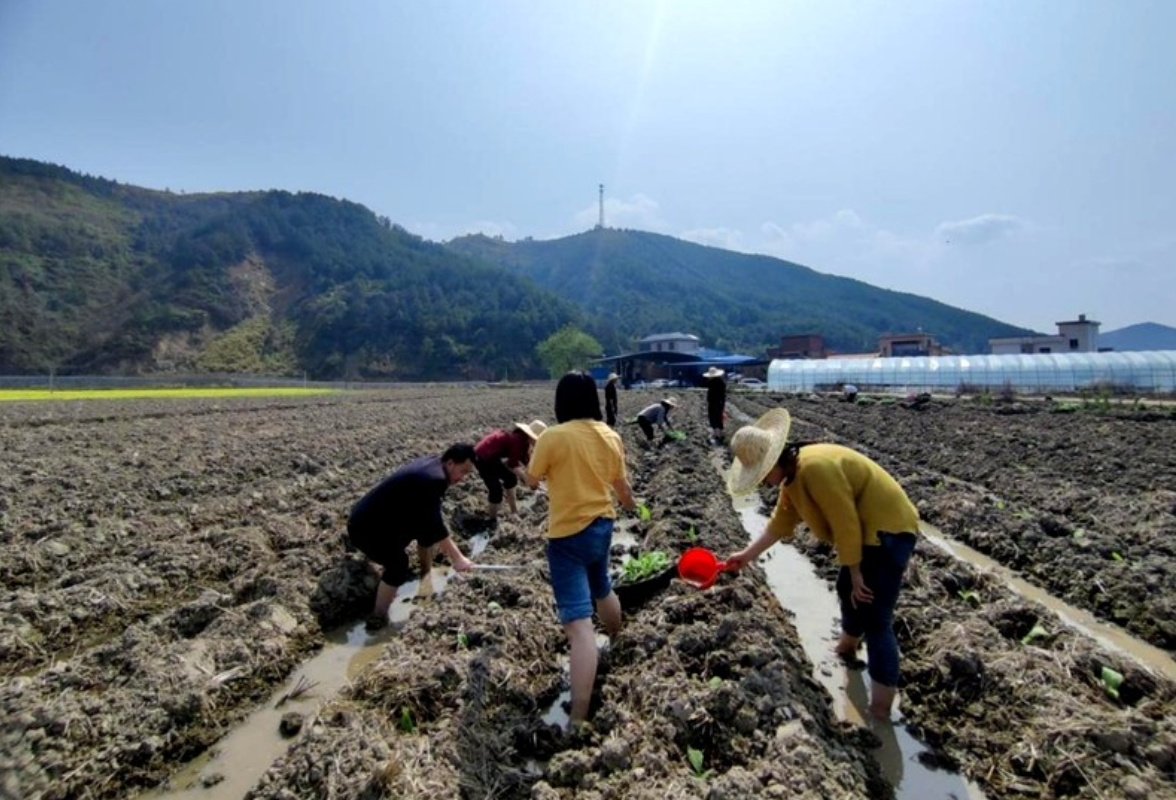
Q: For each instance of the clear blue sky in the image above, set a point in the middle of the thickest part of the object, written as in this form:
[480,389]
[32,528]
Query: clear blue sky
[1011,157]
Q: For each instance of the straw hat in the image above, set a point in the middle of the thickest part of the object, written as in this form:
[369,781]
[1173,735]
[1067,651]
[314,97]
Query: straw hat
[534,429]
[713,372]
[672,402]
[757,448]
[612,376]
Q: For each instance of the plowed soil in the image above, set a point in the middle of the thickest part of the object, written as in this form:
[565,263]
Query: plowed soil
[167,565]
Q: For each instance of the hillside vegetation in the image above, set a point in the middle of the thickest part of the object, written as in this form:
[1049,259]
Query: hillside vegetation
[101,277]
[640,283]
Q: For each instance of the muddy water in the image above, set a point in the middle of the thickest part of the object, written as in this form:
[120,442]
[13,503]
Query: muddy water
[816,617]
[232,767]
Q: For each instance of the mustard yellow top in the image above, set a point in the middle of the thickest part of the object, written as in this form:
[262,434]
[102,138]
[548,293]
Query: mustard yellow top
[580,460]
[845,499]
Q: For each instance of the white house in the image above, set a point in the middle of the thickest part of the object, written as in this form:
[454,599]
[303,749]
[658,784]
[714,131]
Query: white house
[1074,336]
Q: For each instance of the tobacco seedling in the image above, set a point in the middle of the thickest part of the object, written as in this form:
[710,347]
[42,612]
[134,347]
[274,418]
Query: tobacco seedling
[643,512]
[691,535]
[463,641]
[1112,680]
[645,566]
[715,682]
[406,723]
[1038,631]
[1116,555]
[695,758]
[970,596]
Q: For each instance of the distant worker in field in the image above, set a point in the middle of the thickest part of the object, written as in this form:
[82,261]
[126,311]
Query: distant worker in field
[406,507]
[501,462]
[850,502]
[658,415]
[849,393]
[583,462]
[610,399]
[716,400]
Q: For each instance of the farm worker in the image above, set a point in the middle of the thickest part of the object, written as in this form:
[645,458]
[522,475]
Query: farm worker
[501,458]
[583,462]
[850,393]
[851,502]
[610,399]
[656,414]
[406,507]
[716,400]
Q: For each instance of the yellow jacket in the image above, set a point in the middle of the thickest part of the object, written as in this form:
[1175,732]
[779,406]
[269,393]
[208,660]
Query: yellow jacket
[845,499]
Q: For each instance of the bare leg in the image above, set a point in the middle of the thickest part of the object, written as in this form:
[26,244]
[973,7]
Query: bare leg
[881,700]
[385,594]
[494,508]
[425,556]
[512,501]
[583,658]
[609,610]
[847,646]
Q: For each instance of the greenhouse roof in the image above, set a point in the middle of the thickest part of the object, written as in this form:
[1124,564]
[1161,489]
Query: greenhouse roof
[1153,371]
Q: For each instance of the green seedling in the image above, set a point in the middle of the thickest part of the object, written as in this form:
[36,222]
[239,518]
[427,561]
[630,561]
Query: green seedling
[696,762]
[970,596]
[645,566]
[1000,504]
[1023,513]
[677,436]
[692,535]
[1038,631]
[463,641]
[1079,533]
[715,682]
[406,723]
[1112,680]
[643,512]
[1116,555]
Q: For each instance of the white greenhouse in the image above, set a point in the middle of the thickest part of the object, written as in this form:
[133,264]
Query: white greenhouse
[1150,372]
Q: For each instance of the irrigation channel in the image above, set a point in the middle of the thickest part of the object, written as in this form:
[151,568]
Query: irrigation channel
[228,770]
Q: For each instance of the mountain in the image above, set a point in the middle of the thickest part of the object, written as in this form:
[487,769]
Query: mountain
[97,277]
[640,283]
[101,277]
[1143,336]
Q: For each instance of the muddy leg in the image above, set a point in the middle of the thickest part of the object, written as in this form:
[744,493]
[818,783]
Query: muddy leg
[609,611]
[582,667]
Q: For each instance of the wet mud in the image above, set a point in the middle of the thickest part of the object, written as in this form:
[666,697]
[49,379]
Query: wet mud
[167,566]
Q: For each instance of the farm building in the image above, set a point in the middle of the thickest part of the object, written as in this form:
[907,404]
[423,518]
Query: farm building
[1135,372]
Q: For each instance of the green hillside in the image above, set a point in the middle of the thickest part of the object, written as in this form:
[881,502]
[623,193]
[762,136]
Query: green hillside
[99,277]
[639,283]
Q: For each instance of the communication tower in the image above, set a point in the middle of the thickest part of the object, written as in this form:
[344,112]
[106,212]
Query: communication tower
[600,224]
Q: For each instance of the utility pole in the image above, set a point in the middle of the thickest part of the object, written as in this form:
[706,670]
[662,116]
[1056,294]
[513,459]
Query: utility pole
[600,225]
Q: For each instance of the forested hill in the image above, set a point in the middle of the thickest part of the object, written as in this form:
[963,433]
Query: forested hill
[639,283]
[100,277]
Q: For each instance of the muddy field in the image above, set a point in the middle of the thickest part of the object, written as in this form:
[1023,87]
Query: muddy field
[167,566]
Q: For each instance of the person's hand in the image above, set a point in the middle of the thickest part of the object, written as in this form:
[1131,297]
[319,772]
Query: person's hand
[463,565]
[737,561]
[861,592]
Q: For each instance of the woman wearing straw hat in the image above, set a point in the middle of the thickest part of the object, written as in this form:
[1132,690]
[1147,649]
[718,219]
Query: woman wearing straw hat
[501,460]
[610,399]
[583,462]
[716,400]
[850,502]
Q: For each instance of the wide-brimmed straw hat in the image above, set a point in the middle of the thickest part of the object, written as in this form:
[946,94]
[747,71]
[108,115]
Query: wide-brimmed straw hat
[672,402]
[757,448]
[534,429]
[612,376]
[713,372]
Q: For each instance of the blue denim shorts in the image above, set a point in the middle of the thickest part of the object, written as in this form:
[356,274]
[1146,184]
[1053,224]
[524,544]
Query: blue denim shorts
[579,569]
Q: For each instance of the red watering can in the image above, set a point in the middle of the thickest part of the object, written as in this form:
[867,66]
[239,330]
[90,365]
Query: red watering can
[700,567]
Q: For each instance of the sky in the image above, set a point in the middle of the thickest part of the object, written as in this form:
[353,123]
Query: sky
[1015,158]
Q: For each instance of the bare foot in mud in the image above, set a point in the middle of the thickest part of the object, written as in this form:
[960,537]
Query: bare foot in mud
[375,622]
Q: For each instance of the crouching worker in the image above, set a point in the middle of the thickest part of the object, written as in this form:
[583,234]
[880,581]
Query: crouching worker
[583,462]
[501,460]
[658,415]
[850,502]
[406,507]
